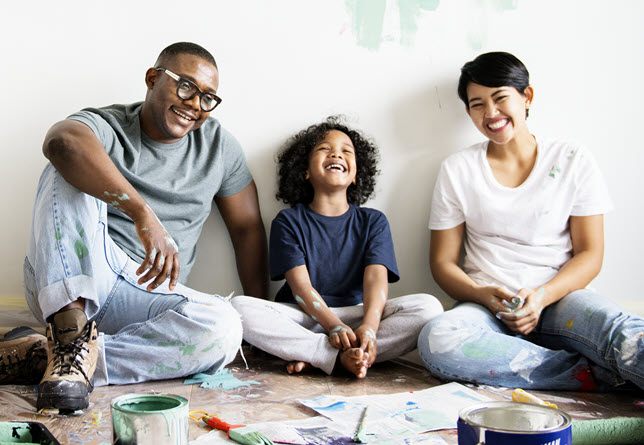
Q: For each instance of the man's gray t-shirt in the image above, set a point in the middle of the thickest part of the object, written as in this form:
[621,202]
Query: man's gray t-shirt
[179,181]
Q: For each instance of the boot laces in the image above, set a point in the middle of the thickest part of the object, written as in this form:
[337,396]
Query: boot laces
[69,358]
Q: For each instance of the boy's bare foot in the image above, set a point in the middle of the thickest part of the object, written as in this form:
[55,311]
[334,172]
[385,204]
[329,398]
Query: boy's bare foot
[355,361]
[295,367]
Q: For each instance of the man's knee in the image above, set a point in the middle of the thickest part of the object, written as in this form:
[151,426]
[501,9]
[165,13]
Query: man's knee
[219,325]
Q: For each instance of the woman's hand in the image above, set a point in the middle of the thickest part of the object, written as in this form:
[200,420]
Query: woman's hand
[342,336]
[525,318]
[367,342]
[497,299]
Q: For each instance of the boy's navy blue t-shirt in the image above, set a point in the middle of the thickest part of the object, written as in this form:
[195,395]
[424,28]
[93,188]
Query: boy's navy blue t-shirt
[335,250]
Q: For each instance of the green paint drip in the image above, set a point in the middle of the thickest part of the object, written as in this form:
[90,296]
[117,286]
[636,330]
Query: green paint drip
[368,17]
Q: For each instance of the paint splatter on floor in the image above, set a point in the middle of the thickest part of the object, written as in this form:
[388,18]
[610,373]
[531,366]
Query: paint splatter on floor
[223,379]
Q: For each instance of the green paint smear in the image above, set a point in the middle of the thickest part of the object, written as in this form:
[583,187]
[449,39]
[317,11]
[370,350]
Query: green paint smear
[162,368]
[81,249]
[170,343]
[188,349]
[148,336]
[484,348]
[58,235]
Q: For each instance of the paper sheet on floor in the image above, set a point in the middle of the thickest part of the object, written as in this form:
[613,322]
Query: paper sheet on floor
[396,416]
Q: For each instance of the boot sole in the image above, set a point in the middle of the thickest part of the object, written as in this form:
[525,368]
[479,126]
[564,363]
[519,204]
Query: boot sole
[66,404]
[62,395]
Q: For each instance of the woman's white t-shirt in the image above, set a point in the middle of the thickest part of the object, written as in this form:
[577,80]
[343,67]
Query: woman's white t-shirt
[518,237]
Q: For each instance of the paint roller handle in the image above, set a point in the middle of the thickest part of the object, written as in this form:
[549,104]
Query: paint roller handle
[216,422]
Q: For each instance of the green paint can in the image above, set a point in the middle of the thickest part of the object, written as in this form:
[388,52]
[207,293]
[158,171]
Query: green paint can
[149,419]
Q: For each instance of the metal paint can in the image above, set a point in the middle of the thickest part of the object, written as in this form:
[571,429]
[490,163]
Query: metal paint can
[149,419]
[505,423]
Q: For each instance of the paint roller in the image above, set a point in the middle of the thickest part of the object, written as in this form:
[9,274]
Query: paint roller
[616,431]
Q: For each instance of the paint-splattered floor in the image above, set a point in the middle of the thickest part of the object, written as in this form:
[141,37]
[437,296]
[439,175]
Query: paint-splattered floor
[265,392]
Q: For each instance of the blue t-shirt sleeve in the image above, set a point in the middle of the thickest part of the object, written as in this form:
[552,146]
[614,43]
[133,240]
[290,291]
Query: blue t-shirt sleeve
[380,248]
[285,247]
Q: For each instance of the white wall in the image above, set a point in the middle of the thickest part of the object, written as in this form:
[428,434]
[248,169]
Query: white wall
[287,64]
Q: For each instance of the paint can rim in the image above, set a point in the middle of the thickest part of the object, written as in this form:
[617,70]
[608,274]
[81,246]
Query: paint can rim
[466,416]
[121,403]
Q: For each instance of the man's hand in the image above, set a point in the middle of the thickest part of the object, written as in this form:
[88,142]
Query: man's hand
[161,252]
[367,342]
[342,336]
[524,319]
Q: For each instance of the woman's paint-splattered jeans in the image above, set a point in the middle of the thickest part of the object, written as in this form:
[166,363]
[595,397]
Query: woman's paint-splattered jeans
[582,342]
[144,335]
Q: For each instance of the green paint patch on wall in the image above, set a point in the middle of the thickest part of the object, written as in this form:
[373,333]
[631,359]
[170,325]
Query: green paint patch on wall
[368,17]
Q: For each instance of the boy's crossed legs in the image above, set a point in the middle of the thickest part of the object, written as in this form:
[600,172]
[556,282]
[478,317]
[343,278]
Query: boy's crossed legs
[284,330]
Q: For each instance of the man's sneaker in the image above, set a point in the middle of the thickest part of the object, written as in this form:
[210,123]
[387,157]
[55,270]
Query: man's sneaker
[23,357]
[72,350]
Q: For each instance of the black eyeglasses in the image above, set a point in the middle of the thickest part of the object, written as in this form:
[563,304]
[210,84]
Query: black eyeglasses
[186,90]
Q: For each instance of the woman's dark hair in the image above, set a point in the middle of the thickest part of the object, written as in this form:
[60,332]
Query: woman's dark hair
[293,161]
[495,69]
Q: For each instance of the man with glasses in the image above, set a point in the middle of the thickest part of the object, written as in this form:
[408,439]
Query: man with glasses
[117,216]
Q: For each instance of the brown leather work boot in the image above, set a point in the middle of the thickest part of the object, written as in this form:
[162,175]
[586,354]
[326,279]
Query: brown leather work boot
[23,357]
[72,350]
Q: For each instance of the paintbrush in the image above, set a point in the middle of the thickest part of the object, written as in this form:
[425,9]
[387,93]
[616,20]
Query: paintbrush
[359,435]
[239,433]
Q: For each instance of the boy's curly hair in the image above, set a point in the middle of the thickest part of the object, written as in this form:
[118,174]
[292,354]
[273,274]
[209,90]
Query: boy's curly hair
[293,161]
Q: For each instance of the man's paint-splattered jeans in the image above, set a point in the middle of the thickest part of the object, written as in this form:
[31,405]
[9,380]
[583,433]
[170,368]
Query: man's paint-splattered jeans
[144,335]
[582,342]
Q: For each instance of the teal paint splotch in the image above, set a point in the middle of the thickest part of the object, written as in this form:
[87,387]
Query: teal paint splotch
[223,379]
[367,20]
